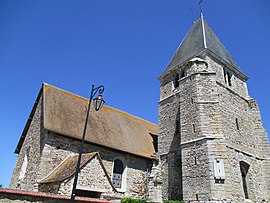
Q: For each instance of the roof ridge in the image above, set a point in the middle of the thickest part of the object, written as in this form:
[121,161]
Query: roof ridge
[66,91]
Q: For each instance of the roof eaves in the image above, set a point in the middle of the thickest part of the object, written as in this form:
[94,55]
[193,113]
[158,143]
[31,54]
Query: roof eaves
[228,65]
[180,64]
[108,147]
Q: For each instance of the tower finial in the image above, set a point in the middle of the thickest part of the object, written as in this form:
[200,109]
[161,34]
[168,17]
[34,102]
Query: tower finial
[200,3]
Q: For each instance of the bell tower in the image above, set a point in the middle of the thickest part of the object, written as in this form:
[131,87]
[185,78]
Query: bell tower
[210,129]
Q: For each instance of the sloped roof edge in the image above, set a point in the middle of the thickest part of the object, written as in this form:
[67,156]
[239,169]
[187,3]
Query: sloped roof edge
[211,53]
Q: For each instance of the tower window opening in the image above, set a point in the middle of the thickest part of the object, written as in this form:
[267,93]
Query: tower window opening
[197,197]
[193,126]
[225,76]
[244,167]
[237,123]
[176,80]
[229,75]
[195,160]
[183,74]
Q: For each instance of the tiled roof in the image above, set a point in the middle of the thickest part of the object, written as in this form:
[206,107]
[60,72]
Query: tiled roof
[64,113]
[25,194]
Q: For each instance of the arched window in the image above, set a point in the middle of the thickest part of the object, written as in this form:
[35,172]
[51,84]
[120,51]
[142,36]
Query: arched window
[118,170]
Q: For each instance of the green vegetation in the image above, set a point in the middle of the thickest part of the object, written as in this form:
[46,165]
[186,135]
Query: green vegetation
[130,200]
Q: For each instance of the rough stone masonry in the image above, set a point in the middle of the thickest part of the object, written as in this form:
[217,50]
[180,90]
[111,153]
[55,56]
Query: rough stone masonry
[212,143]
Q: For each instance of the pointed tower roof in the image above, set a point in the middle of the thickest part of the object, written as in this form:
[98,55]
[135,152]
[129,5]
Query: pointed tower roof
[200,38]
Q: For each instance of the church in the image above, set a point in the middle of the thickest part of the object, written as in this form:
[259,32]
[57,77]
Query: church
[209,145]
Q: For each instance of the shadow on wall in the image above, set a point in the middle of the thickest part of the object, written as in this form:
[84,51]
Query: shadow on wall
[175,189]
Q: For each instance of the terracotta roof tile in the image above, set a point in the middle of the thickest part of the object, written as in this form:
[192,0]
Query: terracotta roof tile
[49,196]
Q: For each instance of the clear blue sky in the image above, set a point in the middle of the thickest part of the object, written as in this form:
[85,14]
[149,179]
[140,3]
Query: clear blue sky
[123,44]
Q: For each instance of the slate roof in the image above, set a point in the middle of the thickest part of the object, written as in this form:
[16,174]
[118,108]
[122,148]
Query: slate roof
[199,38]
[64,113]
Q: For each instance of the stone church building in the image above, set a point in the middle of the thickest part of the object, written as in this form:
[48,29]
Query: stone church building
[209,145]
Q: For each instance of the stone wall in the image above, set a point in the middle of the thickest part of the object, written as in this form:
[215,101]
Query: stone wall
[57,148]
[204,120]
[246,140]
[257,190]
[195,171]
[187,115]
[32,150]
[91,178]
[237,119]
[47,150]
[238,85]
